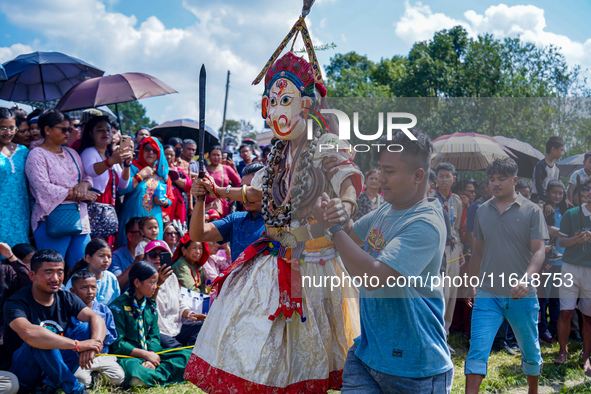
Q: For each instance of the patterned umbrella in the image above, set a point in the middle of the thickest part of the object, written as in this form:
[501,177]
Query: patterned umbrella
[467,151]
[526,155]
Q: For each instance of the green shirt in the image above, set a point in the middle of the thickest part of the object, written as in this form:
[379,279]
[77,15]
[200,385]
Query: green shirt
[507,249]
[578,254]
[127,328]
[190,276]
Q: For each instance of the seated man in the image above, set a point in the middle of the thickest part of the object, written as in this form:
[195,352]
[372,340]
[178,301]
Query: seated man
[40,314]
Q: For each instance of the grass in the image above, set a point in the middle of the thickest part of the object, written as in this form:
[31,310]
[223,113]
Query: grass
[504,374]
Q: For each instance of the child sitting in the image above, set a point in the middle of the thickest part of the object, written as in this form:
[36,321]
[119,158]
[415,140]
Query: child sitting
[84,285]
[149,229]
[136,319]
[97,259]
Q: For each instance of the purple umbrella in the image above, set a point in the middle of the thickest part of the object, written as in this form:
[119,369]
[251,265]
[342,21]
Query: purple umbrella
[43,76]
[112,89]
[526,155]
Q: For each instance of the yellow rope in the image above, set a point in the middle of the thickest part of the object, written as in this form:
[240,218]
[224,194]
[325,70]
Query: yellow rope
[464,255]
[162,352]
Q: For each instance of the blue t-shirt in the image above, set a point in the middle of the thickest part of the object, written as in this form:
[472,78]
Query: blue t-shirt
[402,328]
[240,229]
[107,288]
[557,220]
[121,260]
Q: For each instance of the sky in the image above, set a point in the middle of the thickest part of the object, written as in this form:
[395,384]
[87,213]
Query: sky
[170,39]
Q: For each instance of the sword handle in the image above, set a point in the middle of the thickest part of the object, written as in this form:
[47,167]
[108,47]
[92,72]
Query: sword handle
[201,176]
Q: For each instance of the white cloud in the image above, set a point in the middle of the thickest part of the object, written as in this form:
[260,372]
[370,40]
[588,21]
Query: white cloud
[8,53]
[419,23]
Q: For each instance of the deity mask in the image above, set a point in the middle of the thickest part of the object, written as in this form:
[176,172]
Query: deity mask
[289,94]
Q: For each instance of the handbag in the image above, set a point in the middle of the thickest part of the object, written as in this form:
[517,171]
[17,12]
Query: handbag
[103,217]
[65,219]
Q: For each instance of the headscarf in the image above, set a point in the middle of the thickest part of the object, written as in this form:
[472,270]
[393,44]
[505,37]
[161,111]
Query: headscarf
[161,162]
[184,242]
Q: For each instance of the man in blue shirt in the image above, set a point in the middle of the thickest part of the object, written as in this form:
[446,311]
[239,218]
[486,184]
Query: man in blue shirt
[402,347]
[240,228]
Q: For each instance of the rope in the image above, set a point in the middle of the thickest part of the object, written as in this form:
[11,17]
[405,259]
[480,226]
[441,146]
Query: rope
[162,352]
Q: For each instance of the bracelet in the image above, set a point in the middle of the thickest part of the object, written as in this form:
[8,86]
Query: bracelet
[353,203]
[76,346]
[11,256]
[244,200]
[126,165]
[228,189]
[336,228]
[138,178]
[107,163]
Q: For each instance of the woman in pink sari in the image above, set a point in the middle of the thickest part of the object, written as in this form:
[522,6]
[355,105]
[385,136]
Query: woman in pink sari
[223,175]
[179,184]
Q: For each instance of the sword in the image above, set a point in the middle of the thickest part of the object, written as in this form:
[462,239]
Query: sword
[581,218]
[201,139]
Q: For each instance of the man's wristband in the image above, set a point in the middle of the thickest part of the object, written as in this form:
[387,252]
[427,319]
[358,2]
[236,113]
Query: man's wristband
[336,228]
[76,346]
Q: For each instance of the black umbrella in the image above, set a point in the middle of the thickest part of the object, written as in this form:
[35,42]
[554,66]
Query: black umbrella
[570,164]
[526,155]
[44,76]
[183,129]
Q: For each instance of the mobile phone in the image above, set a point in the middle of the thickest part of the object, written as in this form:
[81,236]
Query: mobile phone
[126,142]
[165,258]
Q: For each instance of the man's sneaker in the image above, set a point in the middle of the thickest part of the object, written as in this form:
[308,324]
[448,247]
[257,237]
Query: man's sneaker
[575,336]
[451,350]
[547,337]
[497,347]
[513,345]
[554,256]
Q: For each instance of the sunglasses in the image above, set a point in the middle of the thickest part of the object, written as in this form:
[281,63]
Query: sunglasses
[153,255]
[64,130]
[149,149]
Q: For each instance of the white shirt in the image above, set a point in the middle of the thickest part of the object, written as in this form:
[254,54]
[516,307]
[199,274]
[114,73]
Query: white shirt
[584,176]
[170,307]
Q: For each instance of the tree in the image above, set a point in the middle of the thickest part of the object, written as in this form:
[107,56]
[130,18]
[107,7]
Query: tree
[238,129]
[133,116]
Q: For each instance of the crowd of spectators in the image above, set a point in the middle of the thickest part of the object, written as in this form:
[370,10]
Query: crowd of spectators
[116,255]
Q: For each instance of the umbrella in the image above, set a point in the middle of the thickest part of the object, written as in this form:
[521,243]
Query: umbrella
[570,164]
[2,73]
[526,155]
[43,76]
[184,128]
[112,89]
[466,151]
[73,114]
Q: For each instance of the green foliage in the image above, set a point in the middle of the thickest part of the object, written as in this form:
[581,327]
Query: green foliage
[239,129]
[133,117]
[509,87]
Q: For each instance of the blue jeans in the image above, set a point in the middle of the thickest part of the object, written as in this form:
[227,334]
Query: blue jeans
[360,378]
[30,365]
[71,247]
[488,314]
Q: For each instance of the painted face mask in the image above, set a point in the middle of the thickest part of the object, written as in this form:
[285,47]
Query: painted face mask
[288,96]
